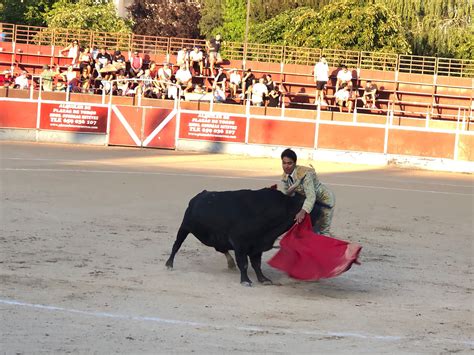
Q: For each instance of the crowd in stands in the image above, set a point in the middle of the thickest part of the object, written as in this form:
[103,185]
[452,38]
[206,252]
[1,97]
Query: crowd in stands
[197,71]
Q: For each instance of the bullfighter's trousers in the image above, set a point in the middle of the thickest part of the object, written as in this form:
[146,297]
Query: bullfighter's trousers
[323,210]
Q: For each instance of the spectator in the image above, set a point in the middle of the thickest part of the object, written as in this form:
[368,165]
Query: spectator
[136,64]
[164,78]
[5,79]
[370,91]
[214,48]
[269,82]
[47,77]
[274,96]
[153,70]
[73,52]
[344,76]
[122,84]
[70,75]
[182,57]
[85,60]
[197,61]
[342,97]
[220,80]
[102,59]
[94,52]
[247,82]
[147,84]
[259,92]
[85,80]
[118,60]
[184,78]
[199,89]
[234,82]
[21,81]
[321,78]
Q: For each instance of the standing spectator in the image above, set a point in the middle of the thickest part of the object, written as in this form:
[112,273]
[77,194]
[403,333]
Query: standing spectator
[184,78]
[47,77]
[259,92]
[182,57]
[102,59]
[234,82]
[269,82]
[214,48]
[321,78]
[164,77]
[85,60]
[73,52]
[197,61]
[274,96]
[118,60]
[21,81]
[247,82]
[136,64]
[370,91]
[220,80]
[342,97]
[344,76]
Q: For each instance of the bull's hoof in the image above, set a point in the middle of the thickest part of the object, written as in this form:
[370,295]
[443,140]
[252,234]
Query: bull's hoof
[169,265]
[267,282]
[246,283]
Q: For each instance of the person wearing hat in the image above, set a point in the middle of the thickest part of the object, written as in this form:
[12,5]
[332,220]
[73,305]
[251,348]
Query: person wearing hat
[196,59]
[319,199]
[47,77]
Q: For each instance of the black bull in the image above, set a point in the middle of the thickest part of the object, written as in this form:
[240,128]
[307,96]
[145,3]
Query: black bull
[245,221]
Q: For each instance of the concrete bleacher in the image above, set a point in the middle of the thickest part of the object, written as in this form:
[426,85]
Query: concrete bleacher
[412,86]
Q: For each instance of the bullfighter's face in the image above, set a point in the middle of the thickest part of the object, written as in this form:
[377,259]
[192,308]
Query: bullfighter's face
[288,165]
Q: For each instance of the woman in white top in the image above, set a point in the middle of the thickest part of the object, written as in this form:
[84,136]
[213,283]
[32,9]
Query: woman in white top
[73,51]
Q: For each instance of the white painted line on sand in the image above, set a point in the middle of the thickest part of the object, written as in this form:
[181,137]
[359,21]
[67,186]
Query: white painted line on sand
[225,177]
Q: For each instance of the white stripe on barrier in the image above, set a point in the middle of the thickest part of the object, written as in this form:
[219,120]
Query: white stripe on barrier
[55,102]
[158,129]
[225,177]
[126,125]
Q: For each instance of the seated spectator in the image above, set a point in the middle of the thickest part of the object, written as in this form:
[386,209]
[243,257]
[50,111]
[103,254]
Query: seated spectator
[199,89]
[274,96]
[342,97]
[344,76]
[247,81]
[103,58]
[153,70]
[122,85]
[234,82]
[196,59]
[219,94]
[6,79]
[184,78]
[259,92]
[118,60]
[146,84]
[47,78]
[136,64]
[85,80]
[164,78]
[370,90]
[220,80]
[70,75]
[21,81]
[321,78]
[94,52]
[214,48]
[85,60]
[72,52]
[182,57]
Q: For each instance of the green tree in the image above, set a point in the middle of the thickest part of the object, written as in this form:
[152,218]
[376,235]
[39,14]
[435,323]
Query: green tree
[211,17]
[26,12]
[344,24]
[233,20]
[94,15]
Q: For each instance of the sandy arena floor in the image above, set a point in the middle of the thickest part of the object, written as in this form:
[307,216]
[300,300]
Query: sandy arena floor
[85,233]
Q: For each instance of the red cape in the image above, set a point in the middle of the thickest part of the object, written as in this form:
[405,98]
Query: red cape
[305,255]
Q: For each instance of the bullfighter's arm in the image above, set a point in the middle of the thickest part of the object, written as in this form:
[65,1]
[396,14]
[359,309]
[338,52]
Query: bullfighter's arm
[309,183]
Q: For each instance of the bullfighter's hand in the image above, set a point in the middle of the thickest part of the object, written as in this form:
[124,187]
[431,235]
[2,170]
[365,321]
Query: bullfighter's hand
[300,216]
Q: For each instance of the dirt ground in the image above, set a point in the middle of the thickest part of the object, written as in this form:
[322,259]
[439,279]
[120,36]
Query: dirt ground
[85,233]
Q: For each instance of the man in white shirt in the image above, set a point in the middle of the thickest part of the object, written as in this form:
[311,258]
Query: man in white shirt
[184,78]
[182,57]
[234,82]
[344,76]
[259,91]
[21,82]
[342,97]
[197,60]
[321,78]
[164,77]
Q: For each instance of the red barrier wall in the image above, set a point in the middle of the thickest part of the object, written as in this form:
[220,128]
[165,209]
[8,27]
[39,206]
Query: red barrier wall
[118,131]
[286,133]
[424,144]
[362,139]
[166,136]
[14,114]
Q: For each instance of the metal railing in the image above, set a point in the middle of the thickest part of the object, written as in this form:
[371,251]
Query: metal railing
[32,35]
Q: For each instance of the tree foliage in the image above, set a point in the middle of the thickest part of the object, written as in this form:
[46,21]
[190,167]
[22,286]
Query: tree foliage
[211,17]
[345,24]
[175,18]
[86,14]
[26,12]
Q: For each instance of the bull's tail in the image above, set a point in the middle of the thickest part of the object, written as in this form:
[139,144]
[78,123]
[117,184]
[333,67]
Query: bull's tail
[182,234]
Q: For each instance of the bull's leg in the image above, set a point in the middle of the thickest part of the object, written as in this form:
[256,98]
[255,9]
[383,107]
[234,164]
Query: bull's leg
[182,234]
[242,263]
[256,261]
[230,260]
